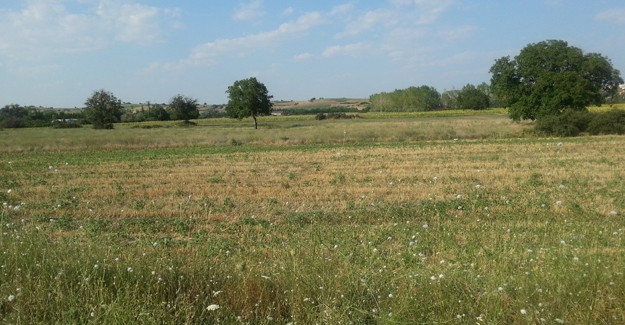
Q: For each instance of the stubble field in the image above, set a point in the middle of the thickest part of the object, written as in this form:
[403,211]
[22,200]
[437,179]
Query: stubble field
[486,228]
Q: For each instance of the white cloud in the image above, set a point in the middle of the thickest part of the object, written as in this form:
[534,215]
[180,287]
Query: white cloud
[133,23]
[209,53]
[249,11]
[615,15]
[369,21]
[343,9]
[42,28]
[288,11]
[353,50]
[303,57]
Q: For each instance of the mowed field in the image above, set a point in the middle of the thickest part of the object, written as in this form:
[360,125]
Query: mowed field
[461,219]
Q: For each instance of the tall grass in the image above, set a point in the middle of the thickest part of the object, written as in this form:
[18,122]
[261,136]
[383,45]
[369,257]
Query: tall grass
[450,231]
[275,130]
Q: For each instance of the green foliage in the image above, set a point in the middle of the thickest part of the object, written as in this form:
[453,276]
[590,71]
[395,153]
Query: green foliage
[470,97]
[449,99]
[13,116]
[103,109]
[550,77]
[335,116]
[248,98]
[568,124]
[183,108]
[572,123]
[412,99]
[610,122]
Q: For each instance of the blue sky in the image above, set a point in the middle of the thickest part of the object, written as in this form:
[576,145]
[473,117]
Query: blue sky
[57,52]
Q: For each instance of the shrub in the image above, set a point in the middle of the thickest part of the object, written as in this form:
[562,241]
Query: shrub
[610,122]
[570,123]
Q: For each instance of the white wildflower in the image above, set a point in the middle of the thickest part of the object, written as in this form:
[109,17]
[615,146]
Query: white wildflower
[523,312]
[212,307]
[10,298]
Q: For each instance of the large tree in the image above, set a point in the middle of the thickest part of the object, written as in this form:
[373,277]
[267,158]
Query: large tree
[248,98]
[550,77]
[103,109]
[183,108]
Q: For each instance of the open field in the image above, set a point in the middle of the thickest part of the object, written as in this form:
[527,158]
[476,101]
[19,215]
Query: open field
[275,130]
[400,220]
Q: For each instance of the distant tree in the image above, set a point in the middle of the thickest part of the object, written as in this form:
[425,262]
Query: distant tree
[470,97]
[183,108]
[449,99]
[103,109]
[550,77]
[422,98]
[13,116]
[156,112]
[248,98]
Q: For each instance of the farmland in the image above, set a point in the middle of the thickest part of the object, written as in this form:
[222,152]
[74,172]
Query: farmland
[387,219]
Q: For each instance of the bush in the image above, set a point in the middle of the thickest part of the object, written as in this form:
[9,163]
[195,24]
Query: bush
[66,123]
[570,123]
[610,122]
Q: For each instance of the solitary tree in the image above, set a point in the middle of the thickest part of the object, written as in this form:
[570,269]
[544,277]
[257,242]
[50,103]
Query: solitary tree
[183,108]
[13,116]
[248,98]
[549,77]
[103,109]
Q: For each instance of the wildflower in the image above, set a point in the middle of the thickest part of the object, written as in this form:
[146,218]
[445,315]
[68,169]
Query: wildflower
[559,321]
[212,307]
[523,312]
[9,191]
[613,212]
[130,269]
[558,202]
[477,187]
[10,298]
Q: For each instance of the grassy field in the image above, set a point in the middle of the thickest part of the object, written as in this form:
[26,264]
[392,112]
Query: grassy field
[381,220]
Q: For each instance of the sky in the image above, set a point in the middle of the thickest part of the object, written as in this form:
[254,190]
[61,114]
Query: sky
[56,53]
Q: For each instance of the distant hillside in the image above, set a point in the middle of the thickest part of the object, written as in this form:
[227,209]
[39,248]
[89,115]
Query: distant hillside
[343,103]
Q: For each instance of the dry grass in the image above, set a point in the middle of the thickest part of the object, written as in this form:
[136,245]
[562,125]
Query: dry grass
[457,231]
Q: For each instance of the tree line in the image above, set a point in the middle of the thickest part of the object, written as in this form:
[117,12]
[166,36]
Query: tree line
[545,80]
[427,98]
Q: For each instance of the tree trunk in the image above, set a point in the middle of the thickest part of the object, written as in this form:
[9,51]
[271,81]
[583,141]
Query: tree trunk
[255,122]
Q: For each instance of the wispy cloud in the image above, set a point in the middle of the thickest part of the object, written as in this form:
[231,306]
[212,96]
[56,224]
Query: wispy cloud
[302,57]
[353,50]
[369,21]
[249,11]
[209,53]
[615,15]
[43,28]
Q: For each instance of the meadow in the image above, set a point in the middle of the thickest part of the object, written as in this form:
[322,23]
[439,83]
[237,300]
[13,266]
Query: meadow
[387,219]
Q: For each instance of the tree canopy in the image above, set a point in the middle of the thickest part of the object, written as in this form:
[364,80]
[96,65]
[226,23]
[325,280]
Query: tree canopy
[471,97]
[183,108]
[248,98]
[103,109]
[422,98]
[549,77]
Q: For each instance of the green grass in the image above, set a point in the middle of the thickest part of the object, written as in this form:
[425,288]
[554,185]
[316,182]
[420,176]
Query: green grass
[490,228]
